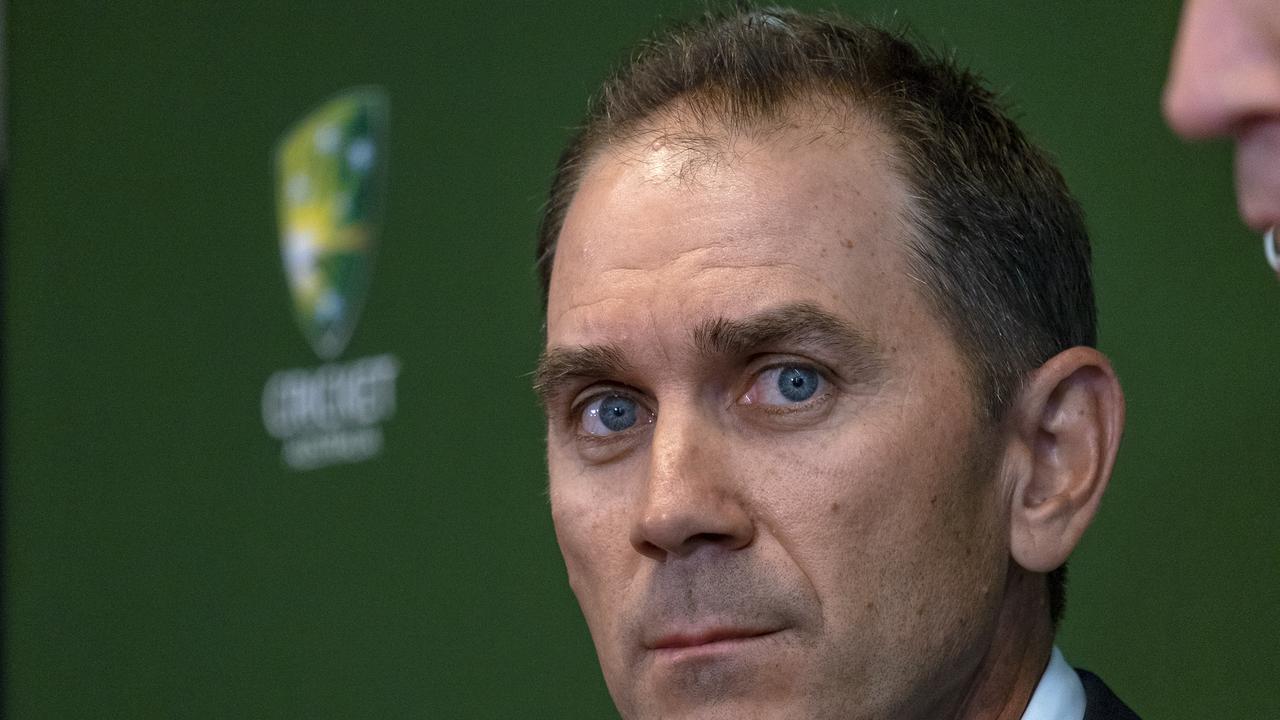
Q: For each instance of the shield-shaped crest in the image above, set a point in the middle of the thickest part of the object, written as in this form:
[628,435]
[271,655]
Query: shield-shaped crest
[330,186]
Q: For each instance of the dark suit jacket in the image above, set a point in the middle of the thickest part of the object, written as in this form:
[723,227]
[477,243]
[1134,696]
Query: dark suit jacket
[1100,702]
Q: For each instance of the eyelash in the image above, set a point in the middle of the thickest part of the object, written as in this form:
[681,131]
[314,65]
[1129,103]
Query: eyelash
[579,407]
[820,397]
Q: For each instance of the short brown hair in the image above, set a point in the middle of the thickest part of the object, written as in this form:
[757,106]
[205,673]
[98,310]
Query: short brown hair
[998,242]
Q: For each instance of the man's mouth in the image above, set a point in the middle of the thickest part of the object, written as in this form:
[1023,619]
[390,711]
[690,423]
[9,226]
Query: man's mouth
[697,638]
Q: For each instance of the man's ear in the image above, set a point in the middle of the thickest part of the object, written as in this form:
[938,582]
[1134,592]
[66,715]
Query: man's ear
[1066,425]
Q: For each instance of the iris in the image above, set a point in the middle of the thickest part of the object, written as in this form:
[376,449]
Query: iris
[617,412]
[797,384]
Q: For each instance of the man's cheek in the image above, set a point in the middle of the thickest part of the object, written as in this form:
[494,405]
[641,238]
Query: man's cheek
[588,537]
[574,546]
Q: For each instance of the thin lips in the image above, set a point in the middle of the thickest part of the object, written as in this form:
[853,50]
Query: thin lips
[676,640]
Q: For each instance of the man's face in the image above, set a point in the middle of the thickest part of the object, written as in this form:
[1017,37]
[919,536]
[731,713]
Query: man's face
[767,473]
[1224,81]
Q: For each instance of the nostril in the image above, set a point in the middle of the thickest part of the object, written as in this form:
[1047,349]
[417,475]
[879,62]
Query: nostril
[658,540]
[649,550]
[708,538]
[692,544]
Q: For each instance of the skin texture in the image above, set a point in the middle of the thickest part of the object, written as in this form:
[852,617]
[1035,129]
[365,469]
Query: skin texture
[1224,81]
[875,551]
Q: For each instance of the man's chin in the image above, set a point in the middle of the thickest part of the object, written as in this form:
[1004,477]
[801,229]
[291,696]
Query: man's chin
[719,703]
[736,678]
[726,709]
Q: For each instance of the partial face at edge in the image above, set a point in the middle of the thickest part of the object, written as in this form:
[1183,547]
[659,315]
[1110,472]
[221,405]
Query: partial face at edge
[766,469]
[1224,81]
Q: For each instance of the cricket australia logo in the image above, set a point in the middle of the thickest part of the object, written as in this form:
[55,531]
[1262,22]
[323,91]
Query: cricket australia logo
[330,176]
[330,186]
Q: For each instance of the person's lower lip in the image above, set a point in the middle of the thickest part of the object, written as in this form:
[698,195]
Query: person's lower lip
[712,648]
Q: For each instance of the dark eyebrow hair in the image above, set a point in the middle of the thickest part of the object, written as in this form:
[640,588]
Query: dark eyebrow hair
[559,366]
[781,327]
[785,326]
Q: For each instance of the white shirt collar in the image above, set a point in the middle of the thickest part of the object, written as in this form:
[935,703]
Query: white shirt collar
[1060,694]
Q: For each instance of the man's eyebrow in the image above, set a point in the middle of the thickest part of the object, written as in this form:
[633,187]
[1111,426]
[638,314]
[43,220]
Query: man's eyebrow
[797,324]
[560,366]
[788,326]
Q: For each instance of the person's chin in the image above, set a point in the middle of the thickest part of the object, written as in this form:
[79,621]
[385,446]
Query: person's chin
[1258,174]
[719,679]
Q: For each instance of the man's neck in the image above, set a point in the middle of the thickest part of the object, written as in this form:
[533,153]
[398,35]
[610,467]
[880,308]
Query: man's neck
[1019,653]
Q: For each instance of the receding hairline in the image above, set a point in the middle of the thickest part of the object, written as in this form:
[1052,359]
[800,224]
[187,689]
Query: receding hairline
[1002,245]
[707,129]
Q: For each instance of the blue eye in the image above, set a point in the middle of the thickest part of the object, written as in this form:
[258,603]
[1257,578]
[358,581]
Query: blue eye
[797,384]
[611,413]
[784,385]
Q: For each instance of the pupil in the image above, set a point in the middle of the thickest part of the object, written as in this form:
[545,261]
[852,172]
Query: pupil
[797,384]
[618,413]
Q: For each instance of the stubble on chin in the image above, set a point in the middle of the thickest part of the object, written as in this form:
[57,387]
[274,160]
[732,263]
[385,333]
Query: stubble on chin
[721,588]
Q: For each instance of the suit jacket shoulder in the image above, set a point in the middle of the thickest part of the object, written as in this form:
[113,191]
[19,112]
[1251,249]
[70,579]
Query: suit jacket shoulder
[1100,702]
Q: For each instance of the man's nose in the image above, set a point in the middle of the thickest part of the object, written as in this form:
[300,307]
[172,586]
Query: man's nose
[1224,72]
[691,498]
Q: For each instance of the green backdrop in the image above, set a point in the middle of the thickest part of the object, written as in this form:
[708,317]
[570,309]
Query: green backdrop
[161,560]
